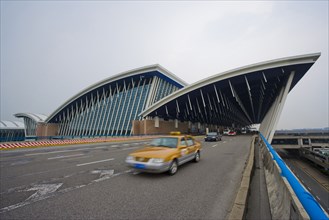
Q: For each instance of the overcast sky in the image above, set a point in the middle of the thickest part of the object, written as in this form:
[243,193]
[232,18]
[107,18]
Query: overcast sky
[51,50]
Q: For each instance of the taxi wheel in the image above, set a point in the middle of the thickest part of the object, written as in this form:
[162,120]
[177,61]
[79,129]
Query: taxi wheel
[197,157]
[173,168]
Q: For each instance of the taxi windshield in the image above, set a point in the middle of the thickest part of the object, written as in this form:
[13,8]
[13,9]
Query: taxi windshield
[164,142]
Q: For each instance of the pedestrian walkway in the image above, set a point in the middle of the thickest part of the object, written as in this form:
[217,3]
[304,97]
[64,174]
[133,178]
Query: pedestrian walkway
[258,206]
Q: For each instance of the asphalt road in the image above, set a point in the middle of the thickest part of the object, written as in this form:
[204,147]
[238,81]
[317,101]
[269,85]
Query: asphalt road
[319,192]
[93,182]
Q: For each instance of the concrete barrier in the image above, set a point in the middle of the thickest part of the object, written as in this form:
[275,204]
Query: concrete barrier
[288,198]
[284,203]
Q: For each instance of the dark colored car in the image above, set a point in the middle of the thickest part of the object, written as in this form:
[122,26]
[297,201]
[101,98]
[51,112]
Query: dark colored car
[213,136]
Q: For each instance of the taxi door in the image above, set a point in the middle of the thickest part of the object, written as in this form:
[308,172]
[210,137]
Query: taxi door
[184,151]
[191,145]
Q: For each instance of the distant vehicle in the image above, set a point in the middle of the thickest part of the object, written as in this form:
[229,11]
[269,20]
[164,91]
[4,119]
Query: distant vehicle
[231,133]
[213,136]
[243,131]
[253,130]
[165,154]
[226,131]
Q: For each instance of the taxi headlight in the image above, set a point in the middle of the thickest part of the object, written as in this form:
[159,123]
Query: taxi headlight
[157,160]
[130,158]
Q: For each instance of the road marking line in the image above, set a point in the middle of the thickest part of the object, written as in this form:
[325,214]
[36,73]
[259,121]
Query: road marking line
[214,145]
[43,191]
[48,191]
[59,157]
[99,147]
[318,198]
[60,151]
[114,145]
[99,161]
[75,158]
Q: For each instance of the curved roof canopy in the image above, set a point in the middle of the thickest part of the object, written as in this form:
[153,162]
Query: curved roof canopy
[35,117]
[11,125]
[242,96]
[119,80]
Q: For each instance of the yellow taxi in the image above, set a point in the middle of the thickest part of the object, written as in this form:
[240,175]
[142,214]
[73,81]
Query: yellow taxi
[165,154]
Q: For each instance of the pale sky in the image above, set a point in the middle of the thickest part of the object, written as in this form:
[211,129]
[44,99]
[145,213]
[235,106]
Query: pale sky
[51,50]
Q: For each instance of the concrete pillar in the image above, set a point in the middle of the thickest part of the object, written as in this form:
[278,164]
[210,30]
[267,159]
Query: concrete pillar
[269,123]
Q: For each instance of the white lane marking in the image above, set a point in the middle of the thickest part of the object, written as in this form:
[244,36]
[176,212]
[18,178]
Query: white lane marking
[60,151]
[60,157]
[224,142]
[214,145]
[318,198]
[22,162]
[49,190]
[100,147]
[43,191]
[64,151]
[99,161]
[76,158]
[128,148]
[103,174]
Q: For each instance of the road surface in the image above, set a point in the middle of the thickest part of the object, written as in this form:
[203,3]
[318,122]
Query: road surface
[93,182]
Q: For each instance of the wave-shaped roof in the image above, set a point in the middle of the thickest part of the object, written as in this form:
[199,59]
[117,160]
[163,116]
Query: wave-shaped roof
[243,95]
[35,117]
[139,72]
[11,125]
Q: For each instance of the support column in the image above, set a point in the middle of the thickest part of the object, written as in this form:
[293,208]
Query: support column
[271,119]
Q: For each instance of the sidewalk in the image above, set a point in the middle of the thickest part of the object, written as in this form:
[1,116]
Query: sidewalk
[258,206]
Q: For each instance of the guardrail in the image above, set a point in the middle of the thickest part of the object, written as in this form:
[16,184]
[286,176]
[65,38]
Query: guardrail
[308,202]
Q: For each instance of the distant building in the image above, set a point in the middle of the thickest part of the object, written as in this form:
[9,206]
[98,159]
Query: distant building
[30,121]
[11,131]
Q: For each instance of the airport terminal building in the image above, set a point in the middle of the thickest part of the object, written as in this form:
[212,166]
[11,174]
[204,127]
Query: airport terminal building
[152,100]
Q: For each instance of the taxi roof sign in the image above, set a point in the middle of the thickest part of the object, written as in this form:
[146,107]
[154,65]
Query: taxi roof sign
[175,133]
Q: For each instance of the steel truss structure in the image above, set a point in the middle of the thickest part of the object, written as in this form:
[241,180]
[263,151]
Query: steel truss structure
[108,108]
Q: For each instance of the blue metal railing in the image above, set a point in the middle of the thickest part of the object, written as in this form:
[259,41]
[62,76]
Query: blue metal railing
[311,206]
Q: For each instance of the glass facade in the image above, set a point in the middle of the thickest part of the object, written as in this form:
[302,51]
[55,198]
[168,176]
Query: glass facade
[11,131]
[7,135]
[30,127]
[110,110]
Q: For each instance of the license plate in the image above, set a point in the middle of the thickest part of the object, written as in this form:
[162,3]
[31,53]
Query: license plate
[140,166]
